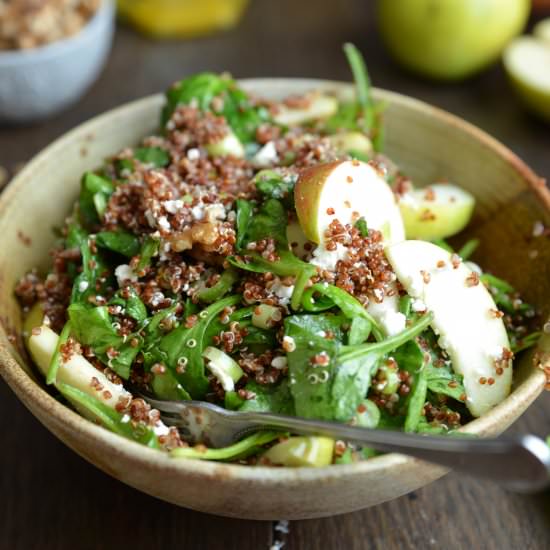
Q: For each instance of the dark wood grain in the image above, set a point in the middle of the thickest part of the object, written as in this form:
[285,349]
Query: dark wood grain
[52,499]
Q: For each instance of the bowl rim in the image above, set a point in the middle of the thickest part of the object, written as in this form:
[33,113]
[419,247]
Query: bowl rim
[52,50]
[22,383]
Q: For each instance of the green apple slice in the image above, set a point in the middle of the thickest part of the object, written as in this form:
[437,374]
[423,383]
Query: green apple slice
[527,62]
[464,318]
[542,30]
[320,106]
[77,372]
[346,191]
[352,142]
[436,212]
[313,451]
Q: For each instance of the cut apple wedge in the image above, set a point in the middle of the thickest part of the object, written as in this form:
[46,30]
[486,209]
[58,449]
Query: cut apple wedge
[346,191]
[77,372]
[465,319]
[436,212]
[319,106]
[299,243]
[312,451]
[542,30]
[352,142]
[527,62]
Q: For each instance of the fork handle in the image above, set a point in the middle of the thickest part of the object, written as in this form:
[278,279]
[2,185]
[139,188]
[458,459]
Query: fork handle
[521,463]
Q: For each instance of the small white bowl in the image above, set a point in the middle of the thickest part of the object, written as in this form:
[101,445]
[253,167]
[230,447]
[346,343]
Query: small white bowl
[42,81]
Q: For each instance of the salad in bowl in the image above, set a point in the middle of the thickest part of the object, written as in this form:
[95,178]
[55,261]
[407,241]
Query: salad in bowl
[268,256]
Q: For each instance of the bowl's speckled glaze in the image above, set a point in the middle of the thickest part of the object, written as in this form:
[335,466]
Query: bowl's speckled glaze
[429,144]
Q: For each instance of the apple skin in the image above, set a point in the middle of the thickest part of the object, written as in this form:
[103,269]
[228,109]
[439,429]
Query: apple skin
[307,196]
[312,451]
[352,189]
[450,39]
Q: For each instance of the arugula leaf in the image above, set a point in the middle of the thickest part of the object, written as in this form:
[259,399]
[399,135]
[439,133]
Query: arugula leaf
[359,331]
[166,386]
[442,380]
[468,249]
[287,265]
[350,306]
[92,279]
[410,358]
[274,185]
[55,361]
[156,156]
[190,343]
[246,447]
[133,306]
[242,116]
[245,211]
[364,114]
[92,327]
[311,386]
[149,249]
[269,222]
[228,278]
[269,398]
[121,242]
[361,225]
[94,194]
[109,417]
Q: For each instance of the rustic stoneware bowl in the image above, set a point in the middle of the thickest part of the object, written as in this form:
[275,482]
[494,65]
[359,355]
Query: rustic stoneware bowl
[429,144]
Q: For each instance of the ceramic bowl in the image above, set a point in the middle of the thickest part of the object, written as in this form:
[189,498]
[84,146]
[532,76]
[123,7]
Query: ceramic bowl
[429,144]
[40,82]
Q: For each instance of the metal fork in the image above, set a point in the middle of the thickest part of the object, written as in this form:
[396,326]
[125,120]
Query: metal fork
[520,463]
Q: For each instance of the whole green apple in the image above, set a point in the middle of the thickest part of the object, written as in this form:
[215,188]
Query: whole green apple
[450,39]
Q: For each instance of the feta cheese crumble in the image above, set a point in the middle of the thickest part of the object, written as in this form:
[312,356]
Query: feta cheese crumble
[125,273]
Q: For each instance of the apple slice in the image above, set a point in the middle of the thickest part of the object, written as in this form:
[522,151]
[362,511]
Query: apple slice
[352,142]
[346,191]
[312,451]
[319,106]
[527,62]
[77,372]
[542,30]
[465,318]
[299,243]
[436,212]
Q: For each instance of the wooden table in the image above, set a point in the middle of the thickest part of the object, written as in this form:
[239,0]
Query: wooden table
[52,499]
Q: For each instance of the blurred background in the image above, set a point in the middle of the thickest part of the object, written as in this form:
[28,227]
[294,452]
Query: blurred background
[65,61]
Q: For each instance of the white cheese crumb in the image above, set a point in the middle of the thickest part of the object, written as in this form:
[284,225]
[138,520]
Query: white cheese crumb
[150,219]
[83,285]
[214,212]
[125,273]
[279,362]
[172,206]
[418,306]
[327,259]
[198,212]
[161,429]
[164,223]
[266,156]
[125,419]
[193,154]
[289,344]
[393,321]
[282,292]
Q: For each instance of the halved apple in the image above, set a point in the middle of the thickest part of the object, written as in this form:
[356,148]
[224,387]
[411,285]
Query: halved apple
[436,212]
[527,62]
[346,191]
[319,106]
[465,318]
[542,30]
